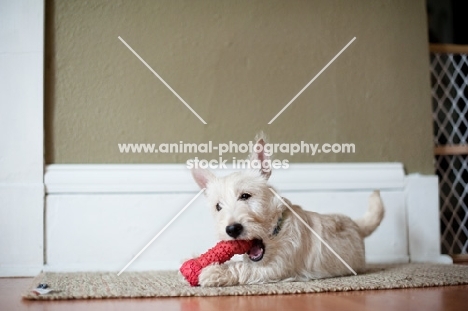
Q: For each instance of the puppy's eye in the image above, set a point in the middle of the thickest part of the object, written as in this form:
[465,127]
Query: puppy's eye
[245,196]
[218,207]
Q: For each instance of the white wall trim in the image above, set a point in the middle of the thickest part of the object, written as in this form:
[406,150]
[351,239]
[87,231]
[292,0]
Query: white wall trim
[98,216]
[21,137]
[154,178]
[21,270]
[422,204]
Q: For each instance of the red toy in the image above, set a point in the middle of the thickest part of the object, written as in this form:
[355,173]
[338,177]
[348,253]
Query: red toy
[222,252]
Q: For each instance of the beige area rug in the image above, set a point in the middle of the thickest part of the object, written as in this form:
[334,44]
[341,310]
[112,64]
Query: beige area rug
[170,284]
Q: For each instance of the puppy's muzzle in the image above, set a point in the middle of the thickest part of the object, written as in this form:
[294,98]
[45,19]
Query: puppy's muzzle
[234,230]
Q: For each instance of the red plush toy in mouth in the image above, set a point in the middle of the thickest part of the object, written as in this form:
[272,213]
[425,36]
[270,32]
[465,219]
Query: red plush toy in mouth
[222,252]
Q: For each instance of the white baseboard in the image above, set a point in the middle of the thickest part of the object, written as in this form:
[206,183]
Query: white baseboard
[21,229]
[99,216]
[422,205]
[20,270]
[433,258]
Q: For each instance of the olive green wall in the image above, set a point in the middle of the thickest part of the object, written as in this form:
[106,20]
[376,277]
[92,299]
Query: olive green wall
[238,63]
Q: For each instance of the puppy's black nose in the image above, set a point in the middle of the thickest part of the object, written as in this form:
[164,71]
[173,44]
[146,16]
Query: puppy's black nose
[234,230]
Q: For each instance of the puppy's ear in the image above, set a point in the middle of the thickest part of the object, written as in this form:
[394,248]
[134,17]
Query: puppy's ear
[259,158]
[202,176]
[278,204]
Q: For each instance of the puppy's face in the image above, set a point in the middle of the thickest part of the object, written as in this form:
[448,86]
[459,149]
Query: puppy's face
[240,204]
[243,206]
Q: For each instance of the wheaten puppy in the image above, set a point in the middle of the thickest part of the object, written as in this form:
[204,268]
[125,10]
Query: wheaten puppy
[284,249]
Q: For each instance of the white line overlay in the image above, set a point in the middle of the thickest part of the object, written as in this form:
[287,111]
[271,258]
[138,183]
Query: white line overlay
[162,80]
[162,230]
[313,79]
[315,233]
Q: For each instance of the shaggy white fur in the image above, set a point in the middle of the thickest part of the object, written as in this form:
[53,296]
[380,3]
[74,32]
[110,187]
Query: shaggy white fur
[284,249]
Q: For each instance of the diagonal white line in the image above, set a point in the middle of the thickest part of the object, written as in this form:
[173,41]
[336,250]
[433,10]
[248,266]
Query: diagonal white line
[315,233]
[162,80]
[313,79]
[160,232]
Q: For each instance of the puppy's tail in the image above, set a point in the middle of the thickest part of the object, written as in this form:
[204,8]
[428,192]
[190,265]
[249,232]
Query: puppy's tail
[372,217]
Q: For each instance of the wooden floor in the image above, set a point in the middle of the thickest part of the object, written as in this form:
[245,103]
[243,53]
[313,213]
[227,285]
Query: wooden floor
[435,298]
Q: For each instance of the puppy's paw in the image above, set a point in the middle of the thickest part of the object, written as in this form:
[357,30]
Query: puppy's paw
[216,275]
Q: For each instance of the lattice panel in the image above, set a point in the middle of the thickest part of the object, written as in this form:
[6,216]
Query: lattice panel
[449,75]
[453,192]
